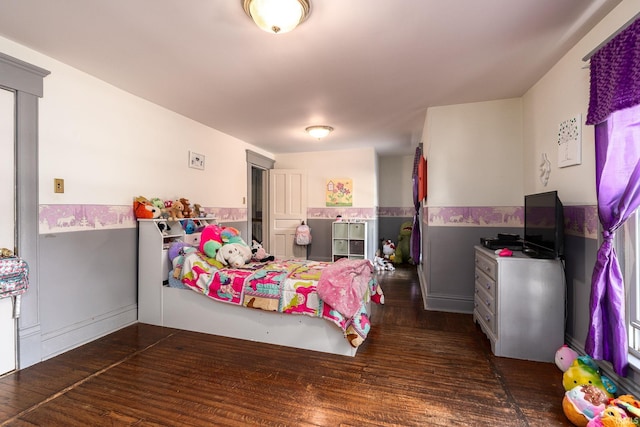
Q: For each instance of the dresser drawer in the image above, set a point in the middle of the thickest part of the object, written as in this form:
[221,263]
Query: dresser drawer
[486,283]
[485,315]
[488,299]
[486,265]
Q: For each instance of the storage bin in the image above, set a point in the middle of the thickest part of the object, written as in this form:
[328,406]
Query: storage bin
[340,246]
[340,231]
[356,230]
[356,247]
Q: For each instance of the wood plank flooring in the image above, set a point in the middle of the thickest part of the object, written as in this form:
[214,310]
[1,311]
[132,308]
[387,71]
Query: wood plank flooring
[417,368]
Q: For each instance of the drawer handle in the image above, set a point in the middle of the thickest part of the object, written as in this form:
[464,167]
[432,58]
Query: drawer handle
[487,318]
[488,303]
[487,268]
[489,286]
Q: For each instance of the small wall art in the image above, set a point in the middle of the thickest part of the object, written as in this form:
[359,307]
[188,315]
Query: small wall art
[196,160]
[339,192]
[570,142]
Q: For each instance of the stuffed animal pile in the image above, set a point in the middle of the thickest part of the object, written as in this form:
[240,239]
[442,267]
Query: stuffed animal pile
[173,210]
[225,245]
[589,396]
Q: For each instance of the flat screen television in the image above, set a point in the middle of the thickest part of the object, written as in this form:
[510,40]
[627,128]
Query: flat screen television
[543,225]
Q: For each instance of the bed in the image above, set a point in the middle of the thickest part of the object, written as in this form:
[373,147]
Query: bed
[275,302]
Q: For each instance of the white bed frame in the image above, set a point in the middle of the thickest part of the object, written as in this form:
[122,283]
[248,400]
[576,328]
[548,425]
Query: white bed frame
[186,309]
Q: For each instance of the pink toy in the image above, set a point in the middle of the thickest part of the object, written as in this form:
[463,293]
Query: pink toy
[211,240]
[565,357]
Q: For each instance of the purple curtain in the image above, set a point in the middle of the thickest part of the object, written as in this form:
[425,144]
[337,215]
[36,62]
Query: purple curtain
[415,229]
[613,108]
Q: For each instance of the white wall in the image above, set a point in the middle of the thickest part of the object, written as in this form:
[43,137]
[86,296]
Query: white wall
[561,94]
[395,181]
[360,165]
[474,154]
[110,146]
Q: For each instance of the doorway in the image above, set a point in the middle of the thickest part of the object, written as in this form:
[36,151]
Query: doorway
[258,167]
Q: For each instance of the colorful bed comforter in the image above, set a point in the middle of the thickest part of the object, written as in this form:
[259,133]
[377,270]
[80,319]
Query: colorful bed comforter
[289,286]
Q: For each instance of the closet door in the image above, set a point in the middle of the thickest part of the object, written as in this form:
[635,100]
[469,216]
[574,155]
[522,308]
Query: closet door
[8,224]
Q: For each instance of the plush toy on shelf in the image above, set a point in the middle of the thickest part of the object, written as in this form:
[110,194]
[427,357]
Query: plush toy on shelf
[144,209]
[187,212]
[175,211]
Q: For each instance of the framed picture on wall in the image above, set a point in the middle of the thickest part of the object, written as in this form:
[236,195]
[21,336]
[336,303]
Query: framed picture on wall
[196,160]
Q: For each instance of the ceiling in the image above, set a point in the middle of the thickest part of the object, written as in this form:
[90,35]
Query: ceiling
[369,68]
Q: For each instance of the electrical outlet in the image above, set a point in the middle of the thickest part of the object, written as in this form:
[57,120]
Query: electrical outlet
[58,185]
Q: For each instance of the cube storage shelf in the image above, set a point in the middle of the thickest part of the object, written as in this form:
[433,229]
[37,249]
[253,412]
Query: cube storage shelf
[349,240]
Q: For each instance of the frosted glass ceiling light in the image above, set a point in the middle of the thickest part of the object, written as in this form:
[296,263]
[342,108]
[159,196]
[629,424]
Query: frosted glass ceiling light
[277,16]
[319,132]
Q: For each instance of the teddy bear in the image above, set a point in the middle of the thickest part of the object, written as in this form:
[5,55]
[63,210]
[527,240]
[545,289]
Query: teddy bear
[197,211]
[175,211]
[187,212]
[259,253]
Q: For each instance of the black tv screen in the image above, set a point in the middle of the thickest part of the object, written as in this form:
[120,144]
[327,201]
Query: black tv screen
[543,225]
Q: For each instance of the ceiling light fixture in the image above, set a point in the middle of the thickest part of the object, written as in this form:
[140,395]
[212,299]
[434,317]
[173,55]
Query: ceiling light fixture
[277,16]
[319,132]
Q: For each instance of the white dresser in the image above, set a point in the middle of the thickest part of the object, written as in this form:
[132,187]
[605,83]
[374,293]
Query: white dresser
[519,303]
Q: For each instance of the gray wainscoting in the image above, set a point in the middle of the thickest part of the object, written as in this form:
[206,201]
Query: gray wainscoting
[88,286]
[448,265]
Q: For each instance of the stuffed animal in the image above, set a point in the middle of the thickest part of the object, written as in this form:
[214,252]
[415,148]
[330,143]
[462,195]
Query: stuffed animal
[175,211]
[143,209]
[234,254]
[211,240]
[381,264]
[403,253]
[583,403]
[388,250]
[621,412]
[259,254]
[197,211]
[584,371]
[187,212]
[565,357]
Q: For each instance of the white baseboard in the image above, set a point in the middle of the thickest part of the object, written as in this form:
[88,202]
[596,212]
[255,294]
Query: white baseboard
[72,336]
[29,346]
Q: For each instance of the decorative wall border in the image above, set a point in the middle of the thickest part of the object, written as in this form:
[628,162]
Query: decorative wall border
[580,221]
[73,218]
[332,213]
[393,212]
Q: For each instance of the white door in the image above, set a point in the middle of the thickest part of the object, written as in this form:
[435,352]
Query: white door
[7,227]
[288,209]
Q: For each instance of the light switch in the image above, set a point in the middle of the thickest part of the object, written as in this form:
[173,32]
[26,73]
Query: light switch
[58,185]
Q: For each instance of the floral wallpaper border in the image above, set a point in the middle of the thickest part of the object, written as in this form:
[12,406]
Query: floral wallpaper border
[345,212]
[70,218]
[581,221]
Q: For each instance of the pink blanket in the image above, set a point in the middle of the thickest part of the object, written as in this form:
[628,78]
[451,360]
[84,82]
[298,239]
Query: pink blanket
[343,285]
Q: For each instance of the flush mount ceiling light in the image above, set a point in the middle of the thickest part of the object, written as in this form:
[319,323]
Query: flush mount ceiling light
[319,132]
[277,16]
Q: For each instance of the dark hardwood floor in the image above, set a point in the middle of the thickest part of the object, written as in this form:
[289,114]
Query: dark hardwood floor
[417,368]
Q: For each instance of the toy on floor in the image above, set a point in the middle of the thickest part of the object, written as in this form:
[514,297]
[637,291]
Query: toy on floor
[381,264]
[259,254]
[565,357]
[584,371]
[403,253]
[388,250]
[621,412]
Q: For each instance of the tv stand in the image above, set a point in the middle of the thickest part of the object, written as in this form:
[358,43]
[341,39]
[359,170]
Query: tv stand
[519,304]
